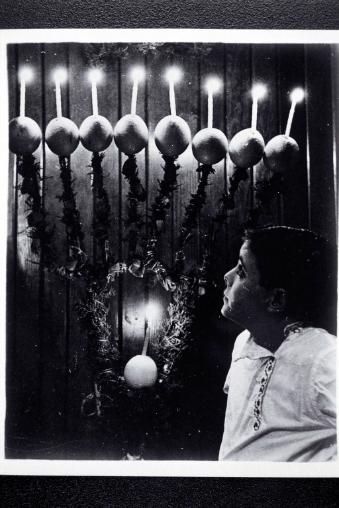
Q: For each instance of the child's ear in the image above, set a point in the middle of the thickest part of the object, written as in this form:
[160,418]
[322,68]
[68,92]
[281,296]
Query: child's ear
[277,301]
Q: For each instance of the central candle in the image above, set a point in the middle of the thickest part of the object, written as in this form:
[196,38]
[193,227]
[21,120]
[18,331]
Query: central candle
[210,145]
[172,134]
[247,146]
[131,132]
[96,132]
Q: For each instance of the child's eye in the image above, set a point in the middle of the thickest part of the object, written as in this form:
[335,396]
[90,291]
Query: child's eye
[239,271]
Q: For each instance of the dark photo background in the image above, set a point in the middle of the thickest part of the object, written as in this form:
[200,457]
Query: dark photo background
[47,360]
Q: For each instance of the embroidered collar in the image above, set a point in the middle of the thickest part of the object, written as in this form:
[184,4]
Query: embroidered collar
[254,351]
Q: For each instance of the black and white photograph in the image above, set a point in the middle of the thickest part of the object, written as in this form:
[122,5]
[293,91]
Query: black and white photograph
[172,251]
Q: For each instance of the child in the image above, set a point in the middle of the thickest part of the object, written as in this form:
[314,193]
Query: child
[281,384]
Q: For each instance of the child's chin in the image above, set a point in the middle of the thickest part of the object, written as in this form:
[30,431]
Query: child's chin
[225,310]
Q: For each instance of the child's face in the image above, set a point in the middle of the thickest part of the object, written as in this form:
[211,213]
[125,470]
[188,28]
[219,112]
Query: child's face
[245,301]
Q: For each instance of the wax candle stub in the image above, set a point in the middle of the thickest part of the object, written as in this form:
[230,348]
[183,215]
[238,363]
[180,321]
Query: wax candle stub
[172,135]
[62,136]
[246,148]
[131,134]
[96,133]
[209,146]
[281,154]
[141,372]
[24,135]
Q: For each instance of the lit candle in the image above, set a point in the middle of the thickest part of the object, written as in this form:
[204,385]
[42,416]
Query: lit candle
[212,85]
[296,96]
[258,92]
[151,313]
[25,76]
[60,76]
[173,75]
[137,74]
[95,76]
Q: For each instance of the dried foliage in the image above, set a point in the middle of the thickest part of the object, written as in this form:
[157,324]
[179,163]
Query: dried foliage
[38,230]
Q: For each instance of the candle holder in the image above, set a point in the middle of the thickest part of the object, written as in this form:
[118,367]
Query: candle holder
[247,146]
[210,145]
[24,133]
[62,135]
[96,132]
[282,152]
[172,134]
[141,370]
[131,132]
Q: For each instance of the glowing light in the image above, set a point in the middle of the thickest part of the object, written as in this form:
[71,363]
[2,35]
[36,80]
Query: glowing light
[152,311]
[26,74]
[95,75]
[60,75]
[297,95]
[173,74]
[258,91]
[138,73]
[213,85]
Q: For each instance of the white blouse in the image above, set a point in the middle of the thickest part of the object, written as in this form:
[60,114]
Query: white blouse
[282,406]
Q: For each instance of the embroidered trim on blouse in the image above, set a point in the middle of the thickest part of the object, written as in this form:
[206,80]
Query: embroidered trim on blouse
[269,364]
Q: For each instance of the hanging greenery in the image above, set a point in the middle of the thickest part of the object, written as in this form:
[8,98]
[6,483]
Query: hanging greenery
[101,214]
[37,228]
[136,195]
[227,201]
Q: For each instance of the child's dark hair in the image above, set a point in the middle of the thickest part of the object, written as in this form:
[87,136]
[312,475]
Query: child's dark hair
[305,265]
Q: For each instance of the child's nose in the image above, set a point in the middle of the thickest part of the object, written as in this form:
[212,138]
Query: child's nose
[228,277]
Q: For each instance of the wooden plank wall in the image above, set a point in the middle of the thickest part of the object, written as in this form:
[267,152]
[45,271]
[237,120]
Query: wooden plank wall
[47,371]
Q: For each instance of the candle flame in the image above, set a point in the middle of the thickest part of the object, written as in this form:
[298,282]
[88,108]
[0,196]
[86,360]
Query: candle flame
[258,91]
[297,95]
[213,84]
[138,73]
[26,74]
[60,75]
[152,311]
[173,74]
[95,75]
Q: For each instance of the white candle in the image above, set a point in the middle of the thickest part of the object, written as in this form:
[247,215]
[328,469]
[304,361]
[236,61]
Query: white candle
[258,92]
[58,98]
[60,76]
[138,73]
[151,313]
[173,75]
[94,98]
[25,76]
[296,96]
[213,85]
[95,76]
[210,110]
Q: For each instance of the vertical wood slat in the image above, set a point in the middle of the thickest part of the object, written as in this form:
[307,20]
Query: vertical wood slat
[56,303]
[320,135]
[187,94]
[78,375]
[12,419]
[263,71]
[28,303]
[134,288]
[291,66]
[238,105]
[213,66]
